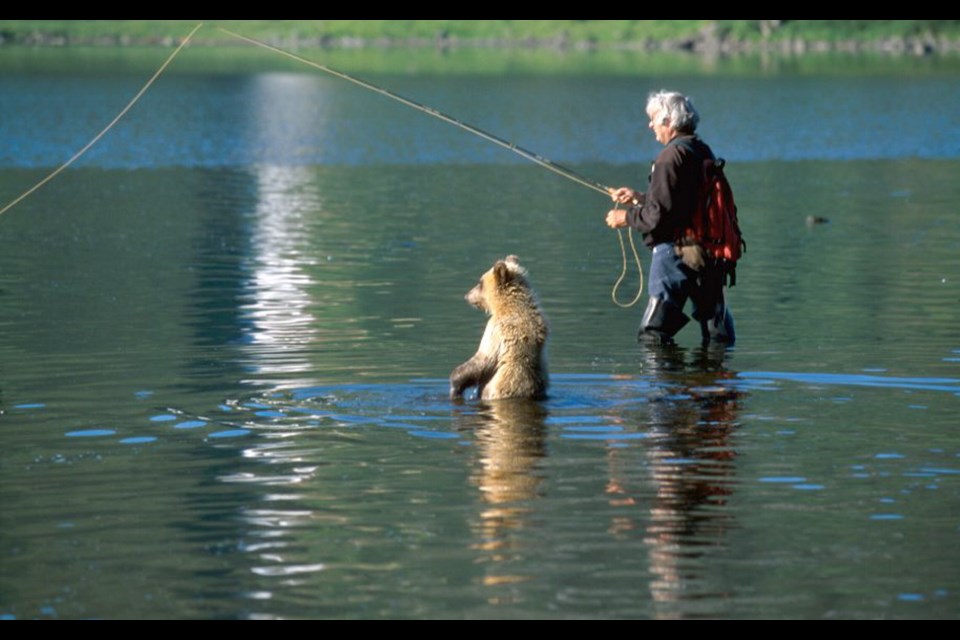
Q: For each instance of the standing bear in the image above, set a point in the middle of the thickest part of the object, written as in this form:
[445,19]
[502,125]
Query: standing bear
[511,359]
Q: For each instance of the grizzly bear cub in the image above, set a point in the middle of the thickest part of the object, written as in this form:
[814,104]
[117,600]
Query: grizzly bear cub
[511,359]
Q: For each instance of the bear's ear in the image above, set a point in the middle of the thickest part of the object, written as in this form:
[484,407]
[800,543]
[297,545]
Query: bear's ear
[512,263]
[502,273]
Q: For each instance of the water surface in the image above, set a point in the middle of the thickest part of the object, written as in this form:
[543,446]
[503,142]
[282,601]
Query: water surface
[225,336]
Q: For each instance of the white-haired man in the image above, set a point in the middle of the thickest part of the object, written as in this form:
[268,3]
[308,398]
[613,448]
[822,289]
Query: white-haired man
[661,214]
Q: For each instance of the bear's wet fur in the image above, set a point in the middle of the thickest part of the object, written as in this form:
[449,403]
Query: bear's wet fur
[511,359]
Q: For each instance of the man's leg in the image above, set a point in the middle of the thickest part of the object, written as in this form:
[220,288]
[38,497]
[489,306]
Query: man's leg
[668,288]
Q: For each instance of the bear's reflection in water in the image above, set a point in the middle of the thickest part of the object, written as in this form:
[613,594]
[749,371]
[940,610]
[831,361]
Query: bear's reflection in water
[510,437]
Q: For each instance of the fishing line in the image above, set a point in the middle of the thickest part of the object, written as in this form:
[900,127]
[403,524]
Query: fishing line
[506,144]
[623,273]
[108,127]
[566,172]
[529,155]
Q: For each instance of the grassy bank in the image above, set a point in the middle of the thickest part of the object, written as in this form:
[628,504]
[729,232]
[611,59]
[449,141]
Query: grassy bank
[706,36]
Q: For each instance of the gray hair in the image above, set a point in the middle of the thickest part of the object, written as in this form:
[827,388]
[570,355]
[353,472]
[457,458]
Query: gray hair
[675,107]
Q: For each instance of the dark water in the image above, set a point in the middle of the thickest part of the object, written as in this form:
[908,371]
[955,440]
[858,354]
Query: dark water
[225,336]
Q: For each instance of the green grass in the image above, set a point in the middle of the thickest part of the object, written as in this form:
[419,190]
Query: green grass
[599,32]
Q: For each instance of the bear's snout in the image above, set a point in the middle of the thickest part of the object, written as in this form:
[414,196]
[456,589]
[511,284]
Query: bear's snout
[475,297]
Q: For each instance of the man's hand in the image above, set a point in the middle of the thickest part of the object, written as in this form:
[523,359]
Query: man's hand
[617,218]
[623,195]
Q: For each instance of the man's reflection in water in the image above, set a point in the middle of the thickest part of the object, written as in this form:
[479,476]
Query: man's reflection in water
[692,416]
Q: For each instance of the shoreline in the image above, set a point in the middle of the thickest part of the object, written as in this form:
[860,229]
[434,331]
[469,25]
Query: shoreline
[709,40]
[912,46]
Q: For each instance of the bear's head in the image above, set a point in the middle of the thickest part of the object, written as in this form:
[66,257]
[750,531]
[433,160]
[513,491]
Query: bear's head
[504,277]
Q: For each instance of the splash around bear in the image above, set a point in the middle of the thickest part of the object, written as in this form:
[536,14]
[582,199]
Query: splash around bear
[511,359]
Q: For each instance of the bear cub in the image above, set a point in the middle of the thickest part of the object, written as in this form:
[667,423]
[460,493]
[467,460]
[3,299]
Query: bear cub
[511,359]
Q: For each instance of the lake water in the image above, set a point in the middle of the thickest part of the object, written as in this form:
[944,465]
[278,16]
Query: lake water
[225,335]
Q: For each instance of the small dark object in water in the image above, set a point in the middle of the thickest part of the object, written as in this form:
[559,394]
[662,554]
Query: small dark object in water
[812,220]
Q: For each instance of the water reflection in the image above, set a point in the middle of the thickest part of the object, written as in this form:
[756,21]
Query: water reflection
[668,462]
[277,299]
[274,524]
[690,457]
[510,438]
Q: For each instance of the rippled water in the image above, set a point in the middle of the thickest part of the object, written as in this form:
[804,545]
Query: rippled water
[225,336]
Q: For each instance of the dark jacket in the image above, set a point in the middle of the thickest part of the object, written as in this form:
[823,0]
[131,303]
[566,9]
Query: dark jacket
[674,184]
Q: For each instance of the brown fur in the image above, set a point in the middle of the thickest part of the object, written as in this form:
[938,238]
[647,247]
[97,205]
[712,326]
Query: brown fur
[511,359]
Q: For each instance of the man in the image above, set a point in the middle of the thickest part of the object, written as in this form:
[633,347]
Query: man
[677,273]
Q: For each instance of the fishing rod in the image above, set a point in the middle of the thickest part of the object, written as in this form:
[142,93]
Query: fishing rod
[559,169]
[506,144]
[529,155]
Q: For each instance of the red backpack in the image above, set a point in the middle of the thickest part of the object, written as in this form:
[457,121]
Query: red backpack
[714,225]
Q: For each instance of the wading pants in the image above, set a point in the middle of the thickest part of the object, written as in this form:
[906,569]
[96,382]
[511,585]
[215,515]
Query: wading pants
[671,284]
